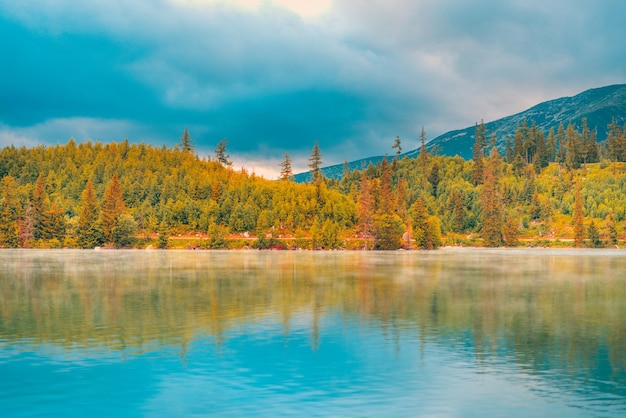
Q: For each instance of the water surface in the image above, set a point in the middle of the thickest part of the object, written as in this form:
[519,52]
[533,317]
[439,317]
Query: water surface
[454,332]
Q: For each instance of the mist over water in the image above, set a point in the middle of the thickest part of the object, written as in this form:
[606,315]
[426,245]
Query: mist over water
[454,332]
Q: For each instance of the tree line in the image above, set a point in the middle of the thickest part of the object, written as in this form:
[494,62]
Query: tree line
[559,189]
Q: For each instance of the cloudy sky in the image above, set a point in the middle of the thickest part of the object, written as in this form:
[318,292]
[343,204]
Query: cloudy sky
[273,76]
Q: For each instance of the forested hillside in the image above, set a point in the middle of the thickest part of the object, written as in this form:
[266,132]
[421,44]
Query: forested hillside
[596,108]
[561,190]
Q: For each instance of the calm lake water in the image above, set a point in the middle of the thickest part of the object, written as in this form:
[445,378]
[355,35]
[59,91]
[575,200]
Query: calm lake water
[455,332]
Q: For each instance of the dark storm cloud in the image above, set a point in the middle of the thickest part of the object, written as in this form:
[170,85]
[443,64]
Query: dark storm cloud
[272,81]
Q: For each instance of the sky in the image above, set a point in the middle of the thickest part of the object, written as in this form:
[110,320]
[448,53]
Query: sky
[274,76]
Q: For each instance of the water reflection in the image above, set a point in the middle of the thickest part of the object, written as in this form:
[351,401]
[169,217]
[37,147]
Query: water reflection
[545,317]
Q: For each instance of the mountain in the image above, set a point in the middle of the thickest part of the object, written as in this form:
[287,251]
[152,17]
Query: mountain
[598,105]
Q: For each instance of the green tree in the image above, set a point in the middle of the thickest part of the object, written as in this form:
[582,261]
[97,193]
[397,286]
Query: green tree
[315,162]
[40,203]
[480,145]
[388,230]
[185,141]
[573,148]
[365,209]
[9,214]
[286,172]
[90,233]
[595,240]
[426,228]
[124,230]
[220,153]
[329,236]
[458,211]
[164,236]
[397,145]
[113,206]
[578,217]
[491,204]
[434,179]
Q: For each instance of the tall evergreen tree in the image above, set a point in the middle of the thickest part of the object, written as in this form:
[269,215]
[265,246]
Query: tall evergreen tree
[480,144]
[315,162]
[491,204]
[113,206]
[9,214]
[39,206]
[397,146]
[286,172]
[365,208]
[220,153]
[573,148]
[185,141]
[578,217]
[90,233]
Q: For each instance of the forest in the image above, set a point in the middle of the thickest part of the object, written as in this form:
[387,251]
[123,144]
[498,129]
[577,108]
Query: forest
[560,189]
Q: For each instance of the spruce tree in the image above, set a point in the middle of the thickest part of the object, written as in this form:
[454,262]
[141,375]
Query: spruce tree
[90,233]
[578,217]
[112,207]
[491,204]
[397,146]
[9,214]
[286,172]
[220,152]
[315,162]
[39,206]
[185,141]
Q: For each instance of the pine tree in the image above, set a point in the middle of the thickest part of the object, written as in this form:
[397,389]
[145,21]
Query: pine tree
[9,214]
[40,204]
[478,151]
[112,207]
[164,236]
[54,225]
[490,203]
[573,148]
[458,211]
[286,172]
[397,146]
[315,162]
[433,178]
[365,208]
[595,240]
[185,141]
[221,154]
[90,233]
[578,217]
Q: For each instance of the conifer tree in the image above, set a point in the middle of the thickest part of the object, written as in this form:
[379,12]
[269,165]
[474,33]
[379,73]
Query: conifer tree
[397,146]
[112,207]
[90,233]
[9,214]
[286,172]
[220,153]
[365,208]
[478,151]
[458,211]
[595,240]
[578,217]
[39,206]
[573,148]
[185,141]
[433,178]
[54,225]
[315,162]
[491,204]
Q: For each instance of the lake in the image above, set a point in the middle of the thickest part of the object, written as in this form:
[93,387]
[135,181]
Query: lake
[453,332]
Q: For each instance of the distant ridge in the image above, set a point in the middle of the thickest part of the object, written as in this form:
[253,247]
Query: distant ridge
[598,105]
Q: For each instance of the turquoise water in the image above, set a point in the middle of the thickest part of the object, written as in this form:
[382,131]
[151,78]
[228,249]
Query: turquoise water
[455,332]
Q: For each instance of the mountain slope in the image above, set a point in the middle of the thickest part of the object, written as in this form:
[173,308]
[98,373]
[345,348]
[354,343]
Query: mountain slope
[598,105]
